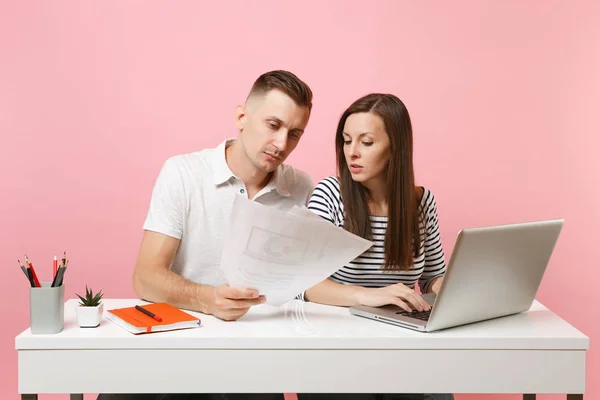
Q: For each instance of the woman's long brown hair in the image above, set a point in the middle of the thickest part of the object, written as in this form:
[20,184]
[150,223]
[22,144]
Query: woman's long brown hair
[403,236]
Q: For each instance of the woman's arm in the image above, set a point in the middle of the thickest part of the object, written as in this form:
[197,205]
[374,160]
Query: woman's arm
[333,293]
[435,285]
[337,294]
[435,265]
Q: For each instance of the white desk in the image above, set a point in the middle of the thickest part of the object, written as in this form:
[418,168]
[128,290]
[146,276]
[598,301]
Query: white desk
[306,347]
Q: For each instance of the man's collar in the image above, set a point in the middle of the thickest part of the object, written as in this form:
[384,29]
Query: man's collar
[221,170]
[222,173]
[278,182]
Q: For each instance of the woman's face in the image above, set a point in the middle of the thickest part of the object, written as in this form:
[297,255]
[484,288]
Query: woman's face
[366,147]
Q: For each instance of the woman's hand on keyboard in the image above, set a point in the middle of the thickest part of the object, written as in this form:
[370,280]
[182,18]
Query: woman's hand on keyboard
[398,294]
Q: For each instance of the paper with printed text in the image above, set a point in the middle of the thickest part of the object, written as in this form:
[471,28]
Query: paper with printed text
[283,253]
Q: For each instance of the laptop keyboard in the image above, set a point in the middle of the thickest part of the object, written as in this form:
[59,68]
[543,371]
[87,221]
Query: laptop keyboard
[422,315]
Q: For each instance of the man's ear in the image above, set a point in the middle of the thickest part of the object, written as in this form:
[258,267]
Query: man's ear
[241,113]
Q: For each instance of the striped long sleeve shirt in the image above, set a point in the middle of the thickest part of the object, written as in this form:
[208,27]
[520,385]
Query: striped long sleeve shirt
[367,269]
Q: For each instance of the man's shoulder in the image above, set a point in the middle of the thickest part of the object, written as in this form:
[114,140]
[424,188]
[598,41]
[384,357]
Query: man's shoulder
[194,161]
[296,179]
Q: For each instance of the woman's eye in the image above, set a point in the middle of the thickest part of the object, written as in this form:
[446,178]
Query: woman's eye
[367,143]
[347,142]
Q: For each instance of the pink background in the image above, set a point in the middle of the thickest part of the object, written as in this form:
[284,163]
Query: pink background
[94,96]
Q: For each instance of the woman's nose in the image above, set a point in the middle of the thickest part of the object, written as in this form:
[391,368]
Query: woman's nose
[354,152]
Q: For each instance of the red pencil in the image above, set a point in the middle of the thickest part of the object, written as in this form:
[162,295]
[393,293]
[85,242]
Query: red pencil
[54,267]
[35,279]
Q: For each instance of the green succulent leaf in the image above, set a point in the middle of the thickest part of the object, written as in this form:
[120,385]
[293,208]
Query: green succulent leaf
[90,299]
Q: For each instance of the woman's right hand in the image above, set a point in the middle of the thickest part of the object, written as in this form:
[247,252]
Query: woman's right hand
[398,294]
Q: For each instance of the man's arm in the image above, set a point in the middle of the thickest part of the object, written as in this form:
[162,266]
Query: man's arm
[154,281]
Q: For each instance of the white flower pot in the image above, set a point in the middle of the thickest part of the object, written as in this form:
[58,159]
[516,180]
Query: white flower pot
[89,317]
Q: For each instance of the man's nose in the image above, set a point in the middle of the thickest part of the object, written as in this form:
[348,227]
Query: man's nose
[280,141]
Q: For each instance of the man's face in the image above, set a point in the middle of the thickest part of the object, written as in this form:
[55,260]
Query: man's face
[271,127]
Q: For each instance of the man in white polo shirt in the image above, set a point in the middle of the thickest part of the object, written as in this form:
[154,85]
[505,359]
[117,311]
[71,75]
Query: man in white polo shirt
[193,197]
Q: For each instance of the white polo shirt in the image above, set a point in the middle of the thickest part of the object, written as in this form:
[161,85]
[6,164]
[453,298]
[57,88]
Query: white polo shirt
[192,201]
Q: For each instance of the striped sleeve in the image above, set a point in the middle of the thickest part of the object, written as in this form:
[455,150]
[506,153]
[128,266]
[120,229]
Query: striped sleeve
[324,202]
[435,265]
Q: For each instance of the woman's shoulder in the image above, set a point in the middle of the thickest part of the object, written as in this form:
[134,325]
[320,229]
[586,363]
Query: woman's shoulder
[426,199]
[330,185]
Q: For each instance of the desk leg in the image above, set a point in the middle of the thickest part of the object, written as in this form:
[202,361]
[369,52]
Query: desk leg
[529,397]
[76,396]
[574,397]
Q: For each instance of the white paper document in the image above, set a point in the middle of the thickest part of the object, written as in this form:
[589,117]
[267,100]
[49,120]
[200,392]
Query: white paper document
[282,253]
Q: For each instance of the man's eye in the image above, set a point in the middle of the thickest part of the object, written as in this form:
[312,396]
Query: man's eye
[272,126]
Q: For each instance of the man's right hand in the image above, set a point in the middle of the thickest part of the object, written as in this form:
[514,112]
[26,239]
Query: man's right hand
[230,303]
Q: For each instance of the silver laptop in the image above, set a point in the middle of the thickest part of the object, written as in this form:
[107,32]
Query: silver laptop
[493,272]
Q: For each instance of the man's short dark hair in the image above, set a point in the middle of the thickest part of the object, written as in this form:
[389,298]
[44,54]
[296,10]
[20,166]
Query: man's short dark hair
[285,82]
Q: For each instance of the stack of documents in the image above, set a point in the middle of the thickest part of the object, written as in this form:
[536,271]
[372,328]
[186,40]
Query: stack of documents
[283,253]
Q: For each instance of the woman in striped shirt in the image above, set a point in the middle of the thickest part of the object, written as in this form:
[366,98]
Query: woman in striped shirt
[375,197]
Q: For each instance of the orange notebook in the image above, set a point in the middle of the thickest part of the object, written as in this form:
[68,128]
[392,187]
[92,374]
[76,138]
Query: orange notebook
[136,321]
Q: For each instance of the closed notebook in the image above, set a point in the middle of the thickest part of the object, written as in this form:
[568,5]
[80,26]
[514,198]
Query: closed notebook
[136,321]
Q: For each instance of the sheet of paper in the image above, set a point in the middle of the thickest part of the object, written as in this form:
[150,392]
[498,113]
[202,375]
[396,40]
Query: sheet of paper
[304,212]
[282,253]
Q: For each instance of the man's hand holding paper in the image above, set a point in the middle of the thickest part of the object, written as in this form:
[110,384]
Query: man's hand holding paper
[280,254]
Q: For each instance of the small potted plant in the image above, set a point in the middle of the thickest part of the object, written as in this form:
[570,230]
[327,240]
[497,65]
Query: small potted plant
[89,312]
